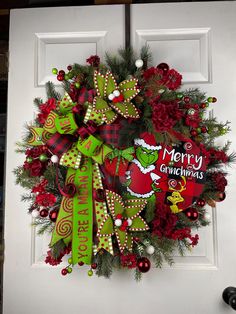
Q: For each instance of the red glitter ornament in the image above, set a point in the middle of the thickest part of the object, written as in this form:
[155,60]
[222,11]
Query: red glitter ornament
[53,215]
[220,197]
[201,203]
[43,213]
[143,264]
[164,67]
[64,272]
[191,213]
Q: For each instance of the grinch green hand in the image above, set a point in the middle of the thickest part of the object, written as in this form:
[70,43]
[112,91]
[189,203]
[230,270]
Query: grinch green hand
[111,96]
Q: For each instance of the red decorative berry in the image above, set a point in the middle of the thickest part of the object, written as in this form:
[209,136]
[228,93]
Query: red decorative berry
[69,67]
[53,215]
[203,105]
[125,223]
[193,133]
[214,99]
[143,264]
[122,228]
[119,216]
[201,203]
[191,213]
[94,265]
[43,213]
[187,99]
[196,106]
[81,263]
[64,272]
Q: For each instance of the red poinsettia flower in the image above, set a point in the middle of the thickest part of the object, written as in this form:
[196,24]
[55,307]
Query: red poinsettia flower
[219,181]
[164,221]
[36,167]
[217,155]
[40,188]
[45,199]
[193,120]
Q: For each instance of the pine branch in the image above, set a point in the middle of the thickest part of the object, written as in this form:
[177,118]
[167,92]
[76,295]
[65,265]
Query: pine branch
[51,91]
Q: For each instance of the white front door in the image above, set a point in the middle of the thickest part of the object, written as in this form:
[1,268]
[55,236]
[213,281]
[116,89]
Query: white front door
[198,39]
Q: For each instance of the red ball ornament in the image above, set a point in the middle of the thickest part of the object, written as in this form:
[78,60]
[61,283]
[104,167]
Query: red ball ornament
[69,67]
[196,106]
[143,264]
[201,203]
[53,215]
[203,105]
[187,99]
[43,213]
[61,72]
[60,77]
[214,99]
[203,129]
[191,213]
[220,197]
[64,272]
[194,133]
[81,263]
[164,67]
[94,265]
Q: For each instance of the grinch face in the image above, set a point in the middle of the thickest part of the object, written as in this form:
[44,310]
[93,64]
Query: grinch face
[145,156]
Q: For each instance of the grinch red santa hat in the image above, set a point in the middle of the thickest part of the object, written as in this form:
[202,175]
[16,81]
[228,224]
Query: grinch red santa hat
[148,141]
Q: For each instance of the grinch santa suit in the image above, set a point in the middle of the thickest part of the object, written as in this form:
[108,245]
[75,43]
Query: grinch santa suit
[142,175]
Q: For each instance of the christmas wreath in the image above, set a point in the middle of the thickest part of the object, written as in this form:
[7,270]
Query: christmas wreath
[119,169]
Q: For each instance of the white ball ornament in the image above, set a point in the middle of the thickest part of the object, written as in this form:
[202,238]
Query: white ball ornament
[111,97]
[118,222]
[35,213]
[150,249]
[139,63]
[116,93]
[207,217]
[54,159]
[129,222]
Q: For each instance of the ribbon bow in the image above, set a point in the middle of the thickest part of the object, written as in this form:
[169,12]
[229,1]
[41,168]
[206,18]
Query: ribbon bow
[121,156]
[110,96]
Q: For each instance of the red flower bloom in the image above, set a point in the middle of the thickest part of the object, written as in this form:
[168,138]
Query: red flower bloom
[218,155]
[193,120]
[45,109]
[36,167]
[94,61]
[164,222]
[56,261]
[165,115]
[128,260]
[219,181]
[173,79]
[40,188]
[184,233]
[45,199]
[36,151]
[151,72]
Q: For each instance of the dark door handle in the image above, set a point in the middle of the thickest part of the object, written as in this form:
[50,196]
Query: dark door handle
[229,296]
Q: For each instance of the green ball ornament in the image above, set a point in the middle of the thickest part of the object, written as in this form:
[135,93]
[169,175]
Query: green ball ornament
[207,105]
[43,157]
[66,77]
[54,71]
[179,95]
[223,131]
[70,75]
[70,261]
[69,270]
[90,273]
[199,130]
[77,84]
[29,159]
[210,99]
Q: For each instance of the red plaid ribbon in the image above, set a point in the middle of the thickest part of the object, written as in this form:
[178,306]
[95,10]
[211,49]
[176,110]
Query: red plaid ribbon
[110,133]
[58,144]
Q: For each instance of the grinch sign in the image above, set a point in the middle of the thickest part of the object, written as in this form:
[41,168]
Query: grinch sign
[173,174]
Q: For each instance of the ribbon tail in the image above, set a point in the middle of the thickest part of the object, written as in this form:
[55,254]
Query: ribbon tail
[100,208]
[63,226]
[82,233]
